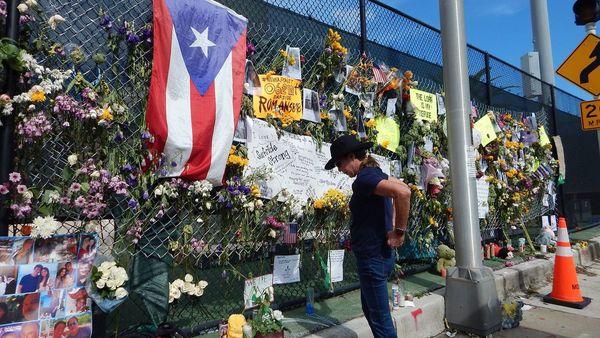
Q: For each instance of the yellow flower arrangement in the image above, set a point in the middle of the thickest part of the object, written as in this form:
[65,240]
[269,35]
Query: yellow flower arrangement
[324,116]
[255,190]
[333,40]
[347,114]
[371,123]
[385,143]
[335,199]
[237,161]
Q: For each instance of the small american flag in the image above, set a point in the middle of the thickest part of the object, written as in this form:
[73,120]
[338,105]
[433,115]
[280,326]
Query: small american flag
[290,233]
[379,75]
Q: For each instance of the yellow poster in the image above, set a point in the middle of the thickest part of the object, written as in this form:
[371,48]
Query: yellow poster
[388,133]
[543,136]
[486,129]
[425,104]
[280,96]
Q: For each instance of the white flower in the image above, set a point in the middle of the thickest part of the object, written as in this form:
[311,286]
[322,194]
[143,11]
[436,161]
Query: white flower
[72,159]
[121,293]
[208,205]
[277,315]
[178,283]
[95,174]
[188,278]
[101,283]
[28,195]
[22,8]
[31,3]
[175,293]
[44,227]
[202,284]
[273,233]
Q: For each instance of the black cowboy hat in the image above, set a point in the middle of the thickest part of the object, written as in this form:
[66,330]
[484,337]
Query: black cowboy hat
[343,146]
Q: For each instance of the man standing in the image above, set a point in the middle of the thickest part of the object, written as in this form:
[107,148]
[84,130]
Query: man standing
[30,282]
[75,331]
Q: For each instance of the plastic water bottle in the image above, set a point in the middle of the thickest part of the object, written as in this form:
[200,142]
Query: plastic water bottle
[310,300]
[396,294]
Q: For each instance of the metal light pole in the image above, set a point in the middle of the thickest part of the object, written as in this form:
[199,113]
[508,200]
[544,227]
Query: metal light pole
[7,130]
[472,303]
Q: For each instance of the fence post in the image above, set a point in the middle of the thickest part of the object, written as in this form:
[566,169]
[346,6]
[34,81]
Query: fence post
[8,122]
[488,79]
[363,27]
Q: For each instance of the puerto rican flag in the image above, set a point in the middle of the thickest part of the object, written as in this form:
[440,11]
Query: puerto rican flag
[196,86]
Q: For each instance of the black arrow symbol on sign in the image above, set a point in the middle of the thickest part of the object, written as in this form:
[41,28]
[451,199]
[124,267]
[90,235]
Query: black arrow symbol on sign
[585,73]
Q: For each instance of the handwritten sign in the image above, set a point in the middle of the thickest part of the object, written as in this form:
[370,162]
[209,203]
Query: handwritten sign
[387,130]
[295,162]
[425,104]
[280,96]
[255,288]
[485,127]
[286,269]
[335,265]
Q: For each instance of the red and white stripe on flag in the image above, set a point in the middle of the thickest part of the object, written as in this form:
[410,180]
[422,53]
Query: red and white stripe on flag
[379,75]
[290,233]
[196,86]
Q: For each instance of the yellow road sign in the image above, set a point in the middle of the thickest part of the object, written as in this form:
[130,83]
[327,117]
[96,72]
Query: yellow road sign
[590,115]
[582,67]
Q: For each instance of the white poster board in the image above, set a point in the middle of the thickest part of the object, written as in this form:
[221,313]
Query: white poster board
[286,269]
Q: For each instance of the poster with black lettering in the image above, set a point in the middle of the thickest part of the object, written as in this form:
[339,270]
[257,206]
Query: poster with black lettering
[280,97]
[425,104]
[295,162]
[42,285]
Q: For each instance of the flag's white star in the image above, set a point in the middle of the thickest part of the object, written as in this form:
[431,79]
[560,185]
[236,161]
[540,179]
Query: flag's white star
[202,40]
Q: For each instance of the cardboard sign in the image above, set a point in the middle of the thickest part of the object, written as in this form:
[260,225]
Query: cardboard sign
[280,96]
[425,104]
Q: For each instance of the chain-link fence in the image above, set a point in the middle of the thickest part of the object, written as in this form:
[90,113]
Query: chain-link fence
[165,231]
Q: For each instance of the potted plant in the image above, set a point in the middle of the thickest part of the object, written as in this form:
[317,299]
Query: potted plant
[267,323]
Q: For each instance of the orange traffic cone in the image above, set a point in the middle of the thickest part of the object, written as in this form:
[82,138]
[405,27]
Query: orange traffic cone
[565,287]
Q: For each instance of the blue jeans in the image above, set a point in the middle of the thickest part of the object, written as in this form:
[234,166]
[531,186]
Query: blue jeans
[373,273]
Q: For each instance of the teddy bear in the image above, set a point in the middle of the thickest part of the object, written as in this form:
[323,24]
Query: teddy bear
[546,237]
[446,258]
[407,84]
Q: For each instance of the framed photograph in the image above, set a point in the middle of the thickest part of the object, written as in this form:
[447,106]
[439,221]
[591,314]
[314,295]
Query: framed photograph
[87,249]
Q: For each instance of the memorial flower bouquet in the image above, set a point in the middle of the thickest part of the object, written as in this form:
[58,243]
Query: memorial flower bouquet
[108,287]
[187,286]
[267,322]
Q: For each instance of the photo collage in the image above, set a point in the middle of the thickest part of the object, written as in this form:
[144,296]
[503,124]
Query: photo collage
[42,286]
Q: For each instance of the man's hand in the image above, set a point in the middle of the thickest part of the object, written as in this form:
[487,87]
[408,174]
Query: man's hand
[395,238]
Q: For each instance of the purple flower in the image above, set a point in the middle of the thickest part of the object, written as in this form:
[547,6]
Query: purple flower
[3,189]
[106,23]
[21,188]
[75,187]
[328,50]
[229,205]
[65,200]
[145,135]
[14,177]
[118,137]
[132,203]
[145,196]
[122,30]
[127,168]
[164,172]
[173,164]
[250,49]
[221,199]
[79,202]
[132,38]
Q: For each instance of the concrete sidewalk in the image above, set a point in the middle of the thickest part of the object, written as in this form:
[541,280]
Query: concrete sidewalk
[426,319]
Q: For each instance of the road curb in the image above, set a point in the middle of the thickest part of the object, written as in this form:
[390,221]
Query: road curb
[584,257]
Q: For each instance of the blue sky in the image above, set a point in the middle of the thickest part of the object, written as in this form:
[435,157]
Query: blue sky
[503,29]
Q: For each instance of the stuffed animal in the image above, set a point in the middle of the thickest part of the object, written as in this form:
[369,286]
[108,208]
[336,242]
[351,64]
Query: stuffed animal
[445,258]
[407,84]
[546,237]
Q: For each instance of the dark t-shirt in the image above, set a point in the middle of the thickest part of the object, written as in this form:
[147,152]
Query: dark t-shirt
[371,215]
[29,283]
